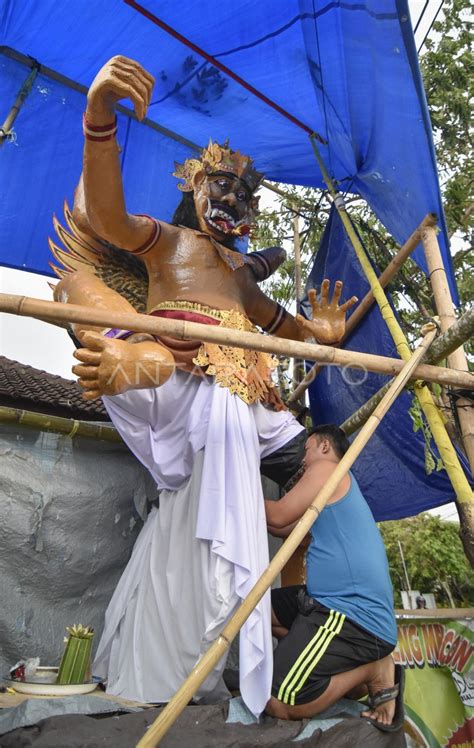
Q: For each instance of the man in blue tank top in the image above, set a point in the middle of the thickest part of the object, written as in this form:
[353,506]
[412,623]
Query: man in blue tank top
[337,632]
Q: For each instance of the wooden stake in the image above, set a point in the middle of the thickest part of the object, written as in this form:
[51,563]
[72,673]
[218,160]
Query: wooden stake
[55,312]
[208,661]
[447,318]
[366,304]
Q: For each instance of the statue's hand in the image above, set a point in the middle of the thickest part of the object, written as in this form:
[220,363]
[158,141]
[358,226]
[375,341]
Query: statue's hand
[329,319]
[111,367]
[119,78]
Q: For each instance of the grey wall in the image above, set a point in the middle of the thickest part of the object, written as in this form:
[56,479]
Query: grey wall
[69,516]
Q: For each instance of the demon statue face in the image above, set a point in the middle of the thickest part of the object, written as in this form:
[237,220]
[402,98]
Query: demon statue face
[223,183]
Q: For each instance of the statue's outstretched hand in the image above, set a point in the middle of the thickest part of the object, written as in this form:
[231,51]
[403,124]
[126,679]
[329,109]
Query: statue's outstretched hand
[119,78]
[329,319]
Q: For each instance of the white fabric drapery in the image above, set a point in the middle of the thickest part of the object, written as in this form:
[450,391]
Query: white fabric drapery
[202,551]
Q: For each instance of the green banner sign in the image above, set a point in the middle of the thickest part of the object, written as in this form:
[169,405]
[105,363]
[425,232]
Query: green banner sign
[438,656]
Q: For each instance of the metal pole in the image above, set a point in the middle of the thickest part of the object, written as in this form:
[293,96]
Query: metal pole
[404,566]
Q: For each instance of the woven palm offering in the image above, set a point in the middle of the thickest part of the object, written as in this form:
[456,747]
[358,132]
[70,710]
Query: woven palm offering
[75,664]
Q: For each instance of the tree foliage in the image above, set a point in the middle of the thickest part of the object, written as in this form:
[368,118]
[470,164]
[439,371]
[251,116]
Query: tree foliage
[434,558]
[447,70]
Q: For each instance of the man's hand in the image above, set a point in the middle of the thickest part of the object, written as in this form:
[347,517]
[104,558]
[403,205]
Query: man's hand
[329,319]
[120,78]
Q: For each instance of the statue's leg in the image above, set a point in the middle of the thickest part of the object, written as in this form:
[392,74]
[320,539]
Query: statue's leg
[109,366]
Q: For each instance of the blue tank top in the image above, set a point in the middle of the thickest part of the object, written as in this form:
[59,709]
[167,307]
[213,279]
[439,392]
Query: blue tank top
[347,567]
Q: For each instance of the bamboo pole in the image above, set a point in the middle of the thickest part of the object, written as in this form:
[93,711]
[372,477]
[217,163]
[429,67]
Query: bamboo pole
[55,312]
[366,304]
[298,364]
[463,492]
[58,425]
[454,338]
[6,128]
[457,334]
[288,198]
[447,318]
[360,416]
[208,661]
[297,251]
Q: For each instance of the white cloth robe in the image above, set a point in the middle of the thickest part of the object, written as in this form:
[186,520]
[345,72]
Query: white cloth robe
[198,555]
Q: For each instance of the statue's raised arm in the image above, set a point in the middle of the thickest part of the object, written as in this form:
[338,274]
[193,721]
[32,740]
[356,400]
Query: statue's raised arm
[104,202]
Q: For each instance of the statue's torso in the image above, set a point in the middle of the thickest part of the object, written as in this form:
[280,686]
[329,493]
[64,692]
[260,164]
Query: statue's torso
[185,265]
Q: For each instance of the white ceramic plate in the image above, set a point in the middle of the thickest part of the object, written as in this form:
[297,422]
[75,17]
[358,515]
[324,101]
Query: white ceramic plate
[43,683]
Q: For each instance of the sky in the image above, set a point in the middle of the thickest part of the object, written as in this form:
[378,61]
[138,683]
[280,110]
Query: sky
[46,347]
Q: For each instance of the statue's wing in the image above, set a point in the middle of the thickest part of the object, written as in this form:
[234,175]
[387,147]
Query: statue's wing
[117,268]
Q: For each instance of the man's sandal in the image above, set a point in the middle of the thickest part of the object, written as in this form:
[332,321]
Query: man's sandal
[387,694]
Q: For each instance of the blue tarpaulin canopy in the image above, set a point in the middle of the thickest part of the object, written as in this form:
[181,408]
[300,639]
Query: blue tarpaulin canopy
[346,70]
[396,470]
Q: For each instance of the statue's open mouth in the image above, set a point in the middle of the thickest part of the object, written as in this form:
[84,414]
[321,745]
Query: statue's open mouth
[225,219]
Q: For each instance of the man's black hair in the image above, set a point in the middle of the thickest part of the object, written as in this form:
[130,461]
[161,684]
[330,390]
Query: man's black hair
[185,215]
[336,436]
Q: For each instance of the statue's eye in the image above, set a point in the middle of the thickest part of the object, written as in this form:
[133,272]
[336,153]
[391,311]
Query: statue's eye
[223,184]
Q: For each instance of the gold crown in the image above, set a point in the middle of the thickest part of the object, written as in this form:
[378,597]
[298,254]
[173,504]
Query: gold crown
[217,158]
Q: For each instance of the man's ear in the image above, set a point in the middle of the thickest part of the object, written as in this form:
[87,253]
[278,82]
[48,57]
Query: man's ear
[326,446]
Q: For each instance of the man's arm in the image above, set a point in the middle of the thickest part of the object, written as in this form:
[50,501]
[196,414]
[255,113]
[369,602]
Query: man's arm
[104,201]
[288,510]
[281,532]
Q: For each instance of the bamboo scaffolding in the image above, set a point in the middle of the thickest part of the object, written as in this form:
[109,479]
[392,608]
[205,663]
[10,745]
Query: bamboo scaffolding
[447,318]
[457,334]
[220,646]
[463,492]
[58,425]
[54,312]
[366,304]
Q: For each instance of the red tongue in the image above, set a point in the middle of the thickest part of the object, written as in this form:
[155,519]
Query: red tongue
[225,225]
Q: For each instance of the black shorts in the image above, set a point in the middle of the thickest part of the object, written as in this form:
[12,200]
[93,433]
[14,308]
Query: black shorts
[320,644]
[281,465]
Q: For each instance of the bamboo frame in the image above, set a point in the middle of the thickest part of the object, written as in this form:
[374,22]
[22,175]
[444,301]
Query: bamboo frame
[463,492]
[208,661]
[58,425]
[365,305]
[54,312]
[447,318]
[457,334]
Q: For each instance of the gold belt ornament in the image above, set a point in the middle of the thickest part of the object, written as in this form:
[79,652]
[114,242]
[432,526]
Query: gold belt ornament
[243,372]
